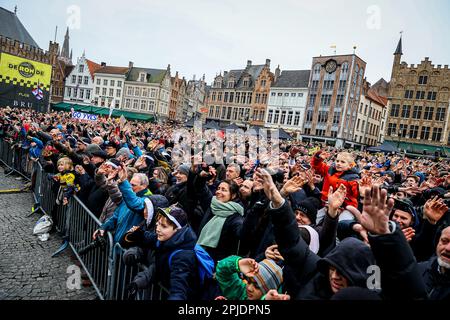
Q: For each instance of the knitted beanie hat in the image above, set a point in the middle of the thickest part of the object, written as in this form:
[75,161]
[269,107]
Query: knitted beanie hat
[270,276]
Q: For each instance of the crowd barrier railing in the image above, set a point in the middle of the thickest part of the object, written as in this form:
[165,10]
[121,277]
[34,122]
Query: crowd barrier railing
[102,263]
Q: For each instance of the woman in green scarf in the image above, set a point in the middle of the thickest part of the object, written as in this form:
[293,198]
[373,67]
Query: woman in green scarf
[220,230]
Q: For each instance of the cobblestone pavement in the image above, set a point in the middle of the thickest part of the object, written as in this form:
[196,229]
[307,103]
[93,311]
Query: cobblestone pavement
[27,270]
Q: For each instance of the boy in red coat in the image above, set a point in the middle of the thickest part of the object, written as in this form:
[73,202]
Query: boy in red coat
[342,172]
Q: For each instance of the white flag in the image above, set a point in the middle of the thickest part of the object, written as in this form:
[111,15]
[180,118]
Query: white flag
[111,108]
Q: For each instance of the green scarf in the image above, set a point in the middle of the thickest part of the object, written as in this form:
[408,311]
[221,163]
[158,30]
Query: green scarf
[211,232]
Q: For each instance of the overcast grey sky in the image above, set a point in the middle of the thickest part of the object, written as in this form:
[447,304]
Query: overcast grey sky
[206,36]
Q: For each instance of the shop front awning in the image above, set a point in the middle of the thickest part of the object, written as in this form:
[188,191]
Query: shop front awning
[63,106]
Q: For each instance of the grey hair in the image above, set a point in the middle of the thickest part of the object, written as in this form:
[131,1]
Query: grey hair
[236,166]
[142,178]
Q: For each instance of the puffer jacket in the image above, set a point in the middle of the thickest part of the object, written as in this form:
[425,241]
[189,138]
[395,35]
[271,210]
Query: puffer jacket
[129,213]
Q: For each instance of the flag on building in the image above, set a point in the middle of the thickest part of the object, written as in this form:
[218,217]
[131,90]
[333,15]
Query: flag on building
[38,93]
[111,108]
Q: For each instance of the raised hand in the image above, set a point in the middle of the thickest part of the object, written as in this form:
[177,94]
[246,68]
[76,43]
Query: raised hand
[249,267]
[270,189]
[364,184]
[376,211]
[325,155]
[293,185]
[336,199]
[434,210]
[122,173]
[409,233]
[273,253]
[274,295]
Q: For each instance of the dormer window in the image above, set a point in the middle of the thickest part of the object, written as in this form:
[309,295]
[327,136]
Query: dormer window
[142,77]
[245,82]
[231,84]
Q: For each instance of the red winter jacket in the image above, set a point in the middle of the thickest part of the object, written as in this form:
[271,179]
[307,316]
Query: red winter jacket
[333,178]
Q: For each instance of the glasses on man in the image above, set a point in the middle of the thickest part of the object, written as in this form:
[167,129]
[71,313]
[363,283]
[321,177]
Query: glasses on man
[135,185]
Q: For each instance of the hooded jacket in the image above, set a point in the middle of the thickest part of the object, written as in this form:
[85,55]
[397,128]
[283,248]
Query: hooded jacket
[181,278]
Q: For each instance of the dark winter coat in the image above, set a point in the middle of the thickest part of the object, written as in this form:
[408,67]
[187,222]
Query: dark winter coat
[181,278]
[437,283]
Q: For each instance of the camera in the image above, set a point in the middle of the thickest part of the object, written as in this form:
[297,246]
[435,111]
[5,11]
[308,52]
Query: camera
[99,242]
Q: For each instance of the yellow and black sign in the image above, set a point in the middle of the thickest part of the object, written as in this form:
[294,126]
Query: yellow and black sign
[23,82]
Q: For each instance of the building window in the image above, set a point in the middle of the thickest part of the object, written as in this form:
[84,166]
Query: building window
[235,113]
[263,83]
[428,114]
[413,131]
[75,92]
[323,117]
[137,91]
[328,84]
[309,116]
[153,93]
[151,105]
[395,110]
[420,95]
[111,92]
[280,94]
[273,94]
[118,93]
[270,116]
[425,134]
[142,77]
[69,92]
[224,112]
[105,82]
[229,113]
[143,104]
[406,111]
[409,94]
[88,94]
[135,104]
[225,97]
[357,125]
[80,79]
[249,98]
[144,92]
[81,93]
[289,119]
[431,95]
[365,110]
[277,116]
[264,98]
[219,96]
[283,117]
[437,134]
[86,80]
[230,84]
[423,79]
[417,113]
[127,103]
[245,83]
[81,69]
[392,129]
[440,114]
[336,117]
[117,104]
[297,118]
[119,84]
[293,95]
[97,90]
[402,130]
[317,69]
[98,81]
[258,98]
[325,100]
[231,97]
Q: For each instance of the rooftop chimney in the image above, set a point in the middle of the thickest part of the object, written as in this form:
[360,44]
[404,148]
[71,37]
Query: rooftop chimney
[249,63]
[103,64]
[130,64]
[268,62]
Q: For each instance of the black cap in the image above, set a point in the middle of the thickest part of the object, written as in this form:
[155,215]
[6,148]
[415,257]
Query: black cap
[176,215]
[308,207]
[99,153]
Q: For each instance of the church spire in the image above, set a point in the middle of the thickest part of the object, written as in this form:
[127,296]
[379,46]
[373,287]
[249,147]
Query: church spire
[65,52]
[399,46]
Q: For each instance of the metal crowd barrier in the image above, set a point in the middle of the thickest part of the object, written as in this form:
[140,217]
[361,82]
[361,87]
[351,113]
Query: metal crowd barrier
[16,159]
[123,274]
[97,262]
[103,265]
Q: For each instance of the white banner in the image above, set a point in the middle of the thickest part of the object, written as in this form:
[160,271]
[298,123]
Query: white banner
[84,116]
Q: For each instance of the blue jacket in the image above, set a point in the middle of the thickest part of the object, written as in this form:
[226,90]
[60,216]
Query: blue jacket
[35,152]
[129,213]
